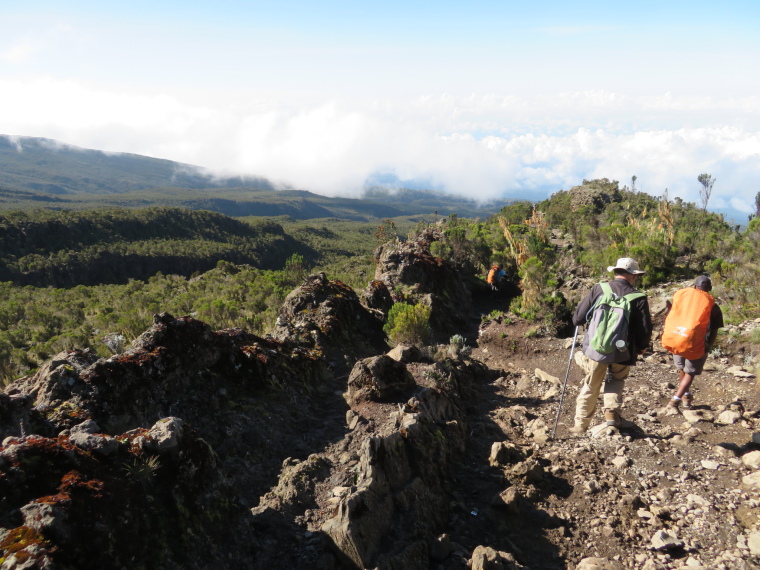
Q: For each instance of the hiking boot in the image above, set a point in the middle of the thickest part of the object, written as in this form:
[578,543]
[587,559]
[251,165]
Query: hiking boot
[687,400]
[612,417]
[578,429]
[675,404]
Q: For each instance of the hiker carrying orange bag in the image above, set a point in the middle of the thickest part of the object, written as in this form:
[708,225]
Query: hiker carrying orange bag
[689,332]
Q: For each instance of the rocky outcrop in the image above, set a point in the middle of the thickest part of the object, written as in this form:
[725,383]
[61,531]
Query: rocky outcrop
[395,510]
[594,194]
[414,275]
[169,370]
[327,316]
[161,446]
[378,378]
[89,500]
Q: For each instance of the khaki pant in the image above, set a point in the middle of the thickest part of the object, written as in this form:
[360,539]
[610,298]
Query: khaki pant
[592,384]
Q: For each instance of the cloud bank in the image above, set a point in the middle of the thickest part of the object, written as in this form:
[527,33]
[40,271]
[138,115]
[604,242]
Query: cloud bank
[482,146]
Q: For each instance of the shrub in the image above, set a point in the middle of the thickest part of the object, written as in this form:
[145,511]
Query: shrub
[408,324]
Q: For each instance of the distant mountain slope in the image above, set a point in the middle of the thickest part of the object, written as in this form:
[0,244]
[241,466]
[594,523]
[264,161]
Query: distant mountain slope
[43,173]
[51,167]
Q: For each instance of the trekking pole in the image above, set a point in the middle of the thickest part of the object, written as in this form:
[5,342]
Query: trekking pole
[564,384]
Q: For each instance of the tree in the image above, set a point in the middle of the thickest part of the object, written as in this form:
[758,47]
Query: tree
[756,213]
[707,181]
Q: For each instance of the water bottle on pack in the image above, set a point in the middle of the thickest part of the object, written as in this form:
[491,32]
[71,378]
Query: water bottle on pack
[620,345]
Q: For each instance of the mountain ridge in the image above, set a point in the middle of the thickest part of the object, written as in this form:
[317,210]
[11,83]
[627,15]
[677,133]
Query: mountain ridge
[39,172]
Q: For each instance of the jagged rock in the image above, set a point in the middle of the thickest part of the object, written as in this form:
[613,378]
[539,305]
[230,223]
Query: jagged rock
[728,417]
[327,316]
[379,378]
[751,459]
[739,372]
[598,564]
[663,540]
[377,296]
[487,558]
[164,435]
[621,462]
[413,274]
[753,542]
[85,436]
[405,353]
[401,480]
[529,471]
[295,488]
[546,377]
[594,194]
[504,453]
[538,430]
[135,496]
[696,416]
[751,482]
[511,498]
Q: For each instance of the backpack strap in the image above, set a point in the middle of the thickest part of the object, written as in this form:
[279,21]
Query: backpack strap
[606,290]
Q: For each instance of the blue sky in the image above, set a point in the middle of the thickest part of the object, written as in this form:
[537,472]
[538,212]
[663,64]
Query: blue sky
[486,99]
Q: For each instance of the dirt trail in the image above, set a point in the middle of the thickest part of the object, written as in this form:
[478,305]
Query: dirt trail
[606,496]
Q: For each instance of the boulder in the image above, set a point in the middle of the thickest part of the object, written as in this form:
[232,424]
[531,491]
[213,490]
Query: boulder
[380,379]
[487,558]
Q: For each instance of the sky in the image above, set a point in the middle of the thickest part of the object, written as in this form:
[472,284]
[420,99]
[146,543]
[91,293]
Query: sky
[486,99]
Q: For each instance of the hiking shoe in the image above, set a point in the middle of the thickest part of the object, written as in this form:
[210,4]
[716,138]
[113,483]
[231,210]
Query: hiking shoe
[687,400]
[675,404]
[612,417]
[578,429]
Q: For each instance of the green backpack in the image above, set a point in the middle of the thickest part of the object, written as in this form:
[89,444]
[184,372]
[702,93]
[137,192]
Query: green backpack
[606,338]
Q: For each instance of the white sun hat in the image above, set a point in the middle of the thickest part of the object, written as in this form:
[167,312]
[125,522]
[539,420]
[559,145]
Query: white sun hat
[627,264]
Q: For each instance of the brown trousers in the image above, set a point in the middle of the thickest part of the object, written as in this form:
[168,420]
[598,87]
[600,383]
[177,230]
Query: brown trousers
[585,404]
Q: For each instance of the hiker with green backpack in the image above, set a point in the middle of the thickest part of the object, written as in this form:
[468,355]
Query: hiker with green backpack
[618,329]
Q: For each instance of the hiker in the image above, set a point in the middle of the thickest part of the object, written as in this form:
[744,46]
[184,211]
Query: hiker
[495,277]
[639,330]
[689,333]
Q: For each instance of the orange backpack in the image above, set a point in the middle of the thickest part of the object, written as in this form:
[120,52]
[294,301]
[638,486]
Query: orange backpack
[492,274]
[687,323]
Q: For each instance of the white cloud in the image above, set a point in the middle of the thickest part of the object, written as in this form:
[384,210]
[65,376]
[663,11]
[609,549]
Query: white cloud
[480,146]
[18,53]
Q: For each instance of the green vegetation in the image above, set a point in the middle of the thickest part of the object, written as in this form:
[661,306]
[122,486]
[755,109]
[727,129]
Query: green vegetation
[94,278]
[409,324]
[36,323]
[64,248]
[671,239]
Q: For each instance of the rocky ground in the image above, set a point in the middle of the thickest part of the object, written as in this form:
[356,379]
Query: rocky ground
[321,447]
[675,489]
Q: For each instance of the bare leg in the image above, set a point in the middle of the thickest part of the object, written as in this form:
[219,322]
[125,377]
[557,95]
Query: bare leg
[684,383]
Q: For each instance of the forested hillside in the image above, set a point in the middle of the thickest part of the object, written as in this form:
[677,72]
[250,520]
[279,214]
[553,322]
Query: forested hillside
[94,278]
[64,249]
